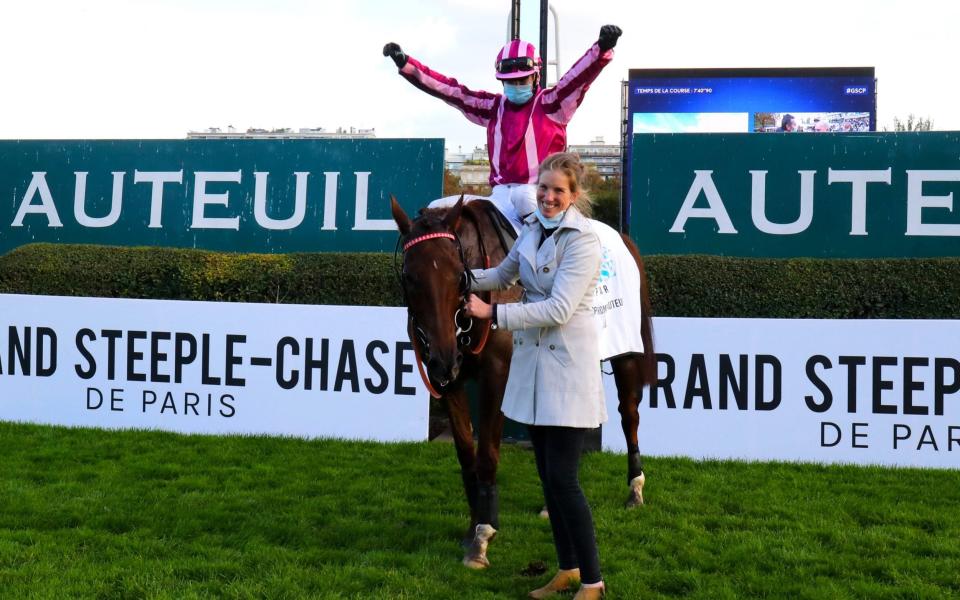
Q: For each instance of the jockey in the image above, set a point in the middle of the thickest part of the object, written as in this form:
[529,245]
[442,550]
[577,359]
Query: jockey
[525,124]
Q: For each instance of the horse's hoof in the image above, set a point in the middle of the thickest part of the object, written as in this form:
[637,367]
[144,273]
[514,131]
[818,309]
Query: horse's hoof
[544,513]
[476,563]
[476,556]
[636,491]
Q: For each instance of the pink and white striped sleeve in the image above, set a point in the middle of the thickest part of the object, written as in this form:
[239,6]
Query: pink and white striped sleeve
[563,99]
[476,106]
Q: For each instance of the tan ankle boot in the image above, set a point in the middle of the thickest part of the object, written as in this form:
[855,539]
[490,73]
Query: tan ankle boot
[560,582]
[590,593]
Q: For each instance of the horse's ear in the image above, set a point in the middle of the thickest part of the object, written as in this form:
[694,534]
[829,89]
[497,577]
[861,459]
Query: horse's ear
[452,218]
[403,221]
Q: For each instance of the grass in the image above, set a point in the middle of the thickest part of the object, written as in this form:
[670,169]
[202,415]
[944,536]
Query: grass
[134,514]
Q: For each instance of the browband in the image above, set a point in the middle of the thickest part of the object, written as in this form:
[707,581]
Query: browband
[429,236]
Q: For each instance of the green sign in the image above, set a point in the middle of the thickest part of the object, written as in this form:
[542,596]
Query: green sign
[233,195]
[802,194]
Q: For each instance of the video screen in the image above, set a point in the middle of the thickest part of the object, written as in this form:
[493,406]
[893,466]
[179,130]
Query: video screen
[796,121]
[752,100]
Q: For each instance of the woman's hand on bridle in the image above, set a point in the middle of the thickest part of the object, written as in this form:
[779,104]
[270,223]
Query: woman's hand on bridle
[475,307]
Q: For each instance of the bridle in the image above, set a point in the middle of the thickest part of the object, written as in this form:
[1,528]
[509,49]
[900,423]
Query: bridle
[463,323]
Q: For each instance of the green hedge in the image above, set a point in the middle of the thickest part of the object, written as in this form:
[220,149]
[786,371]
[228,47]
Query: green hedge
[711,286]
[702,286]
[182,274]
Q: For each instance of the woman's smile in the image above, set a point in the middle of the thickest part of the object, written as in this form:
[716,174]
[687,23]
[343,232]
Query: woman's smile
[553,193]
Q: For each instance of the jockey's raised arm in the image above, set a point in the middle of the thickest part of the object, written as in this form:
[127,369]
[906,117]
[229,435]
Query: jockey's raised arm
[563,99]
[477,106]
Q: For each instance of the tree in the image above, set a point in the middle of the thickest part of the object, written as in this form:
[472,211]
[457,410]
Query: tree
[761,121]
[451,183]
[913,123]
[605,196]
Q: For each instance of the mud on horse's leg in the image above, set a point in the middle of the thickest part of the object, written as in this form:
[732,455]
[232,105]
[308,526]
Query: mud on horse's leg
[628,376]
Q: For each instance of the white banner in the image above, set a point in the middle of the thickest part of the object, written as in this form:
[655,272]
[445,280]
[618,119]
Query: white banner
[211,367]
[833,391]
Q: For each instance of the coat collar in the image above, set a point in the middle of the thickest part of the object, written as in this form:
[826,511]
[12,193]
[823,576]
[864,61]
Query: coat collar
[572,219]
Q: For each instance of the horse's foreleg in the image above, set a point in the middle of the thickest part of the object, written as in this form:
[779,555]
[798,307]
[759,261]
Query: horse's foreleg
[458,408]
[488,457]
[628,376]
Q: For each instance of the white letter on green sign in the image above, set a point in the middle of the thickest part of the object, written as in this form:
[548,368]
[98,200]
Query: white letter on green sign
[916,202]
[46,207]
[260,203]
[201,199]
[80,201]
[703,182]
[758,205]
[859,179]
[157,179]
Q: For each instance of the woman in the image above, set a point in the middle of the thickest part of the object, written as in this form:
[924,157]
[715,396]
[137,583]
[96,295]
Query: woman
[554,383]
[525,124]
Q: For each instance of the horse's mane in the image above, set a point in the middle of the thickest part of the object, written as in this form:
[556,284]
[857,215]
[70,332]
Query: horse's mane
[428,220]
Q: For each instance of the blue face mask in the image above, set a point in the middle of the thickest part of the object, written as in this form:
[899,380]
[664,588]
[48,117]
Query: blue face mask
[518,94]
[551,223]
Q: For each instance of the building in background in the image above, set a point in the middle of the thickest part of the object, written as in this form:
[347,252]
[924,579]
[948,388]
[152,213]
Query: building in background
[604,157]
[473,168]
[455,161]
[285,133]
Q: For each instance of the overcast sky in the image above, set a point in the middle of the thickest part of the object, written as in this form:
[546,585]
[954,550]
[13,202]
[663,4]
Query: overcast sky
[160,68]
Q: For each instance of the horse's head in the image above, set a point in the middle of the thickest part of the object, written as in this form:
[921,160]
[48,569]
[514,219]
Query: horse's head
[434,280]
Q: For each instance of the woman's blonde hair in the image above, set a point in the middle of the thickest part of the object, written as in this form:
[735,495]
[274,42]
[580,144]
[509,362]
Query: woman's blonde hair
[569,164]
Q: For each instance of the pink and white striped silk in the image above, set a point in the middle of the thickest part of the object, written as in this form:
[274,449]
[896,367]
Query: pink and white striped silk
[517,49]
[518,137]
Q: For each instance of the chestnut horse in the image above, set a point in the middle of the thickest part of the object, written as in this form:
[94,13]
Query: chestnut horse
[440,247]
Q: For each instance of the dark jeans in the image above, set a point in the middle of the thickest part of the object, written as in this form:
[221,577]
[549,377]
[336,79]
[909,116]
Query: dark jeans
[557,450]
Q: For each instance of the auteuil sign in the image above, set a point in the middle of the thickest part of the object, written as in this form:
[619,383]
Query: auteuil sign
[240,195]
[783,195]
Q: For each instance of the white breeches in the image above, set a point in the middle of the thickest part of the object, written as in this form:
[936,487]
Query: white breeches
[514,200]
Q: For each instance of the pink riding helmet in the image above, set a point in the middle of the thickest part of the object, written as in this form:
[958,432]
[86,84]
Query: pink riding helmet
[517,59]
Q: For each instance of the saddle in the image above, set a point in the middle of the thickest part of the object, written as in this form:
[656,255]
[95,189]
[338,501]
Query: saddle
[501,224]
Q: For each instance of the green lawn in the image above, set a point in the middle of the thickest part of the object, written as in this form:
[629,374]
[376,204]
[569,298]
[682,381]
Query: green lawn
[89,513]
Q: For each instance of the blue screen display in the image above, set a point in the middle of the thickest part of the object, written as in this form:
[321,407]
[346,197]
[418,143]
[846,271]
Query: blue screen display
[729,100]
